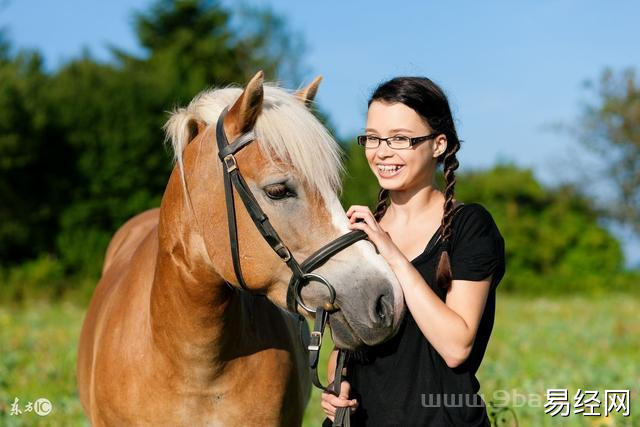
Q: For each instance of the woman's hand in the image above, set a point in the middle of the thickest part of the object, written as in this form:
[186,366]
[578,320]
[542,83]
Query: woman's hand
[330,402]
[376,234]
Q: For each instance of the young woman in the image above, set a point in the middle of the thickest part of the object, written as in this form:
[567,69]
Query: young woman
[448,257]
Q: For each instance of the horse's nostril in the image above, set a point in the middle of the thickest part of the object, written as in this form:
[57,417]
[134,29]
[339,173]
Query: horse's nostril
[383,313]
[380,308]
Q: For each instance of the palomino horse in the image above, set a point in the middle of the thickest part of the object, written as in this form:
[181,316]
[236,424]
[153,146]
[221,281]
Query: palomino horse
[169,338]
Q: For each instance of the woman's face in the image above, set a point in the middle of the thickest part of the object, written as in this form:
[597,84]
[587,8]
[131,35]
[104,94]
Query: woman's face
[401,169]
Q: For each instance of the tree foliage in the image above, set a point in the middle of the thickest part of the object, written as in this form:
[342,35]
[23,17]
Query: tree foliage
[610,129]
[554,239]
[82,147]
[32,167]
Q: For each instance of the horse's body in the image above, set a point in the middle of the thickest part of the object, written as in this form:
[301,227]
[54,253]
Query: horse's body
[167,342]
[118,325]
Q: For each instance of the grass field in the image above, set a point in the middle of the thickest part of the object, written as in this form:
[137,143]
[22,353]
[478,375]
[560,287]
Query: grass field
[537,344]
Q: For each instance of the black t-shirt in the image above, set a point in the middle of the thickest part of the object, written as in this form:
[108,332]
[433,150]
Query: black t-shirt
[405,381]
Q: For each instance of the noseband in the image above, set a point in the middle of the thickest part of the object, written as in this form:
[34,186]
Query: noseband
[301,273]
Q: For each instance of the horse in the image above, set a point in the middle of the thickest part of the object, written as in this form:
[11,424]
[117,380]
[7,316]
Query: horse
[170,337]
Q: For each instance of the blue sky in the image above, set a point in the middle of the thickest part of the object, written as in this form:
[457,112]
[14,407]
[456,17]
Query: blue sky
[511,69]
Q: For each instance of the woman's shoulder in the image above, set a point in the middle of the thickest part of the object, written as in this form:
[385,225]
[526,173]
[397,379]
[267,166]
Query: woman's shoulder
[478,248]
[472,219]
[473,210]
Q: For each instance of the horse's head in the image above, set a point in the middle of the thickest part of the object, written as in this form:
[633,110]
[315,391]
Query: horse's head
[293,170]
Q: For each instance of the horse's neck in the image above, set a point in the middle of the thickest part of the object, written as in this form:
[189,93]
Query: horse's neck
[190,303]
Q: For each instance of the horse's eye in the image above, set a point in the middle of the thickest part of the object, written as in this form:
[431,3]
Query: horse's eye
[278,191]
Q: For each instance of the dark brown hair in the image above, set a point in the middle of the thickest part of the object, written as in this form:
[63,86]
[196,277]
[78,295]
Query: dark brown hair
[429,101]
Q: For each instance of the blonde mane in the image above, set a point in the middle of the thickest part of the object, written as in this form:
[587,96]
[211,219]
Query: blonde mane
[285,130]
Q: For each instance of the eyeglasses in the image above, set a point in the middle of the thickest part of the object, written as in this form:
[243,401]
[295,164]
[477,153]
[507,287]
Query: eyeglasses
[399,142]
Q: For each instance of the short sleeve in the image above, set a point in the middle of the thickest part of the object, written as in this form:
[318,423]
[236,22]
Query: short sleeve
[477,246]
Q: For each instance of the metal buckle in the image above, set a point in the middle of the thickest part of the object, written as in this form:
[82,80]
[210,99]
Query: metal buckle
[317,335]
[287,255]
[230,162]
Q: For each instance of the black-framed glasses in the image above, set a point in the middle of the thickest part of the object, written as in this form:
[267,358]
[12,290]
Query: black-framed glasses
[398,142]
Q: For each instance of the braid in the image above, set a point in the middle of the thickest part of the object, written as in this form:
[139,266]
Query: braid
[443,273]
[381,207]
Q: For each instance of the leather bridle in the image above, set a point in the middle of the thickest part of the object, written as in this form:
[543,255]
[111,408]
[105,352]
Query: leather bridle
[301,273]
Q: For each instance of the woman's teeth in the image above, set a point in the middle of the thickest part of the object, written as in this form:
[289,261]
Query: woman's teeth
[389,170]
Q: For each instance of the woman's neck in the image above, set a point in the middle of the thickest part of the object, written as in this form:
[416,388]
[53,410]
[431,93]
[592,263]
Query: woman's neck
[409,205]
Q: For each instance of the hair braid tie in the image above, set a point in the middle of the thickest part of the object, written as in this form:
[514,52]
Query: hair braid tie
[444,274]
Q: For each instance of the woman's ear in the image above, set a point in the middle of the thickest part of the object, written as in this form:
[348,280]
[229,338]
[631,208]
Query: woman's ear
[440,145]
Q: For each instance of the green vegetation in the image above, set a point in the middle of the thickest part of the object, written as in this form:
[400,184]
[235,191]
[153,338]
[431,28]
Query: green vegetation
[81,151]
[574,342]
[609,129]
[82,147]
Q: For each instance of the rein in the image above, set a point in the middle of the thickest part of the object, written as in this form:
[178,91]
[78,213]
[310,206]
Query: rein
[301,273]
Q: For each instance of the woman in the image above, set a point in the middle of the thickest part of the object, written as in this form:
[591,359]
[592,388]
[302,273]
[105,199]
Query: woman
[448,257]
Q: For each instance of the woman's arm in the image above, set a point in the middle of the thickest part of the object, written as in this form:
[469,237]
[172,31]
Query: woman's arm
[450,326]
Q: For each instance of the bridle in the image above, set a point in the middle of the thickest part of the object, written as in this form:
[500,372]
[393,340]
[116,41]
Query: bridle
[301,273]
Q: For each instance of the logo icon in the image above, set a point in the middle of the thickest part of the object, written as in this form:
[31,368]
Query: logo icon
[42,407]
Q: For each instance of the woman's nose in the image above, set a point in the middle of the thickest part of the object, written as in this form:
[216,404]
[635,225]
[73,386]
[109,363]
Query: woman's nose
[384,150]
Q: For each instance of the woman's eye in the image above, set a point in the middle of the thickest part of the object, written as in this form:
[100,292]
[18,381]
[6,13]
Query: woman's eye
[278,191]
[399,138]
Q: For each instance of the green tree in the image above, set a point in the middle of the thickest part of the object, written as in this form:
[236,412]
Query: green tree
[82,148]
[114,113]
[554,241]
[29,201]
[610,129]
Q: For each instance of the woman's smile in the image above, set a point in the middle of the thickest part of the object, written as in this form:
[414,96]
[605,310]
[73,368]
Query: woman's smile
[389,170]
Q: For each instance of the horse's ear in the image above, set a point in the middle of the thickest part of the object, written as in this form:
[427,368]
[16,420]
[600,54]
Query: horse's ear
[307,94]
[243,114]
[195,128]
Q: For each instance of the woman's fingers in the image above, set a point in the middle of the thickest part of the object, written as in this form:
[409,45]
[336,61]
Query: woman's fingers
[329,410]
[330,402]
[345,388]
[354,208]
[337,402]
[356,215]
[361,226]
[367,216]
[357,208]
